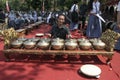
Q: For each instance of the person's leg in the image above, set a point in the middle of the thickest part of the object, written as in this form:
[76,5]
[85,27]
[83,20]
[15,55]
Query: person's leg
[71,26]
[97,31]
[89,29]
[75,26]
[83,22]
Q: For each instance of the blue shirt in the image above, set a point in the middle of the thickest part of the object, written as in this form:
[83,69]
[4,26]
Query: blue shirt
[96,7]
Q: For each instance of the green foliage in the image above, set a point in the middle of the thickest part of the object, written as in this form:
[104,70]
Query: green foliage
[15,5]
[37,4]
[2,4]
[24,7]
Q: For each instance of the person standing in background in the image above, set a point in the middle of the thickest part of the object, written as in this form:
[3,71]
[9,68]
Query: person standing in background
[2,19]
[118,14]
[2,16]
[117,27]
[74,16]
[94,28]
[83,11]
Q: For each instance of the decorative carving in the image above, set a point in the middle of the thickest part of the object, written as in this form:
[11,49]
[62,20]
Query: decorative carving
[110,37]
[9,35]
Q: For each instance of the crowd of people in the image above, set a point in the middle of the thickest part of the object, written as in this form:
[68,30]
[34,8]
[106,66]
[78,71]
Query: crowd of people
[94,27]
[76,18]
[20,19]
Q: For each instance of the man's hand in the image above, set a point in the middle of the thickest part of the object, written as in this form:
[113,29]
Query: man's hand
[48,34]
[69,36]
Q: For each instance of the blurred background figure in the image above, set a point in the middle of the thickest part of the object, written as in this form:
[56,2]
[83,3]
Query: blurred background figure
[19,21]
[94,28]
[2,16]
[74,16]
[117,27]
[11,19]
[2,19]
[118,14]
[83,14]
[35,17]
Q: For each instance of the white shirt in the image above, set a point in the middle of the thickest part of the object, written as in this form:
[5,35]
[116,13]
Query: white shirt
[118,7]
[72,8]
[49,16]
[96,7]
[11,16]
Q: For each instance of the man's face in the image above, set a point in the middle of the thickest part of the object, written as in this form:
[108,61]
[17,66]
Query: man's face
[61,20]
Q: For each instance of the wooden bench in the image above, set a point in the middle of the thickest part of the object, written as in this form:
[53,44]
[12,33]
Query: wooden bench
[32,26]
[27,29]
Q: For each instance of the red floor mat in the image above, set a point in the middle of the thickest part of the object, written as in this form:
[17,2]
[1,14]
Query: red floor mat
[47,68]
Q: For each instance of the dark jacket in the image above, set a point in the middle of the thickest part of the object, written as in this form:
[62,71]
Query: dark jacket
[57,32]
[83,9]
[2,17]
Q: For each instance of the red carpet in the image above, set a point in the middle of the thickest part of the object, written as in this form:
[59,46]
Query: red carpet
[47,68]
